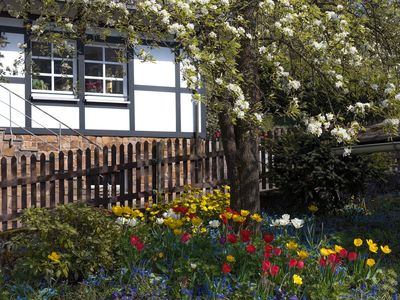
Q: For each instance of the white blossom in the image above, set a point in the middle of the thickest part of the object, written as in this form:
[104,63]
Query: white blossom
[294,84]
[160,221]
[214,223]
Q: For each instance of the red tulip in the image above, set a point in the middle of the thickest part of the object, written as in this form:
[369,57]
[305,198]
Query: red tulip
[265,265]
[185,237]
[135,240]
[352,256]
[268,248]
[226,268]
[300,264]
[322,262]
[343,253]
[267,254]
[232,238]
[274,270]
[251,248]
[139,246]
[277,251]
[245,235]
[268,238]
[292,263]
[333,259]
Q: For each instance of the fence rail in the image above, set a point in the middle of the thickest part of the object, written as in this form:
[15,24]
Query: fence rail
[134,174]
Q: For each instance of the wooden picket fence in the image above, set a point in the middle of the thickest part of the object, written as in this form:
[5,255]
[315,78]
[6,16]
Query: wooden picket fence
[134,174]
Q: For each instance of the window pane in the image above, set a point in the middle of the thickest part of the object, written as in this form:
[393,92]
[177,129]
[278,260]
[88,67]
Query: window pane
[94,70]
[62,84]
[41,83]
[116,71]
[114,87]
[93,53]
[112,54]
[41,66]
[63,67]
[66,50]
[94,85]
[40,49]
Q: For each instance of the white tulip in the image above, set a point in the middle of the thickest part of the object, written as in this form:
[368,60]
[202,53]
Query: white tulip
[160,221]
[297,223]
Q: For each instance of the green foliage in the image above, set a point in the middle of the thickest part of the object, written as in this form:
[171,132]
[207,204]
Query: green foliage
[307,171]
[83,237]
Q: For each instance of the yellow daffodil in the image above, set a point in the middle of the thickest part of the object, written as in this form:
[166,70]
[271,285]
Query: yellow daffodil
[256,217]
[313,208]
[291,245]
[230,258]
[302,254]
[370,262]
[373,247]
[244,213]
[54,257]
[161,254]
[385,249]
[338,248]
[177,231]
[358,242]
[297,279]
[203,230]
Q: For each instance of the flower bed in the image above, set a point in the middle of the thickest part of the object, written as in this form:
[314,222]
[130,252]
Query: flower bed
[198,247]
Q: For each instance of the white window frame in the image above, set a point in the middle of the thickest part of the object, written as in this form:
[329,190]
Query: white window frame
[104,96]
[54,94]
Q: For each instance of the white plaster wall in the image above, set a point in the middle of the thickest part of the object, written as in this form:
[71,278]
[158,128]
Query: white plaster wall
[67,115]
[186,113]
[106,118]
[160,73]
[16,102]
[11,53]
[155,111]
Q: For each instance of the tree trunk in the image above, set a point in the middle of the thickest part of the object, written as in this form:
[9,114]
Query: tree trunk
[241,140]
[241,154]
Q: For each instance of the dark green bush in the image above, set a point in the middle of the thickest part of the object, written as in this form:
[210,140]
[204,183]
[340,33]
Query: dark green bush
[84,238]
[307,171]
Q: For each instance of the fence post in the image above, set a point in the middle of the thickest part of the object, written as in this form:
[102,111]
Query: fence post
[158,169]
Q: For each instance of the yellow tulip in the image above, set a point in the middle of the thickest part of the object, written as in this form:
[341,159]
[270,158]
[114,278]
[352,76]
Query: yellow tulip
[302,254]
[370,262]
[291,245]
[297,279]
[313,208]
[54,257]
[257,218]
[338,248]
[324,251]
[230,258]
[244,212]
[385,249]
[358,242]
[177,231]
[373,247]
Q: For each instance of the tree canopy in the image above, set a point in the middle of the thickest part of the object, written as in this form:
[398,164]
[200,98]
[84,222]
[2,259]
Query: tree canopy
[325,64]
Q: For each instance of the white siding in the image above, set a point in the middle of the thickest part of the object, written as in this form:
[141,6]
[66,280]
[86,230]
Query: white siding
[155,111]
[67,115]
[11,53]
[160,73]
[16,102]
[107,118]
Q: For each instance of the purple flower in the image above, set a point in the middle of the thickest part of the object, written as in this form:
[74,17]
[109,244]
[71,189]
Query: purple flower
[222,240]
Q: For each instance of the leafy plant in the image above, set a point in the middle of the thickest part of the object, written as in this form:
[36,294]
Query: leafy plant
[307,171]
[68,242]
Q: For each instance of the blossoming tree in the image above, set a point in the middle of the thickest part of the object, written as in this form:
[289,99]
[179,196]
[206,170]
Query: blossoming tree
[326,60]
